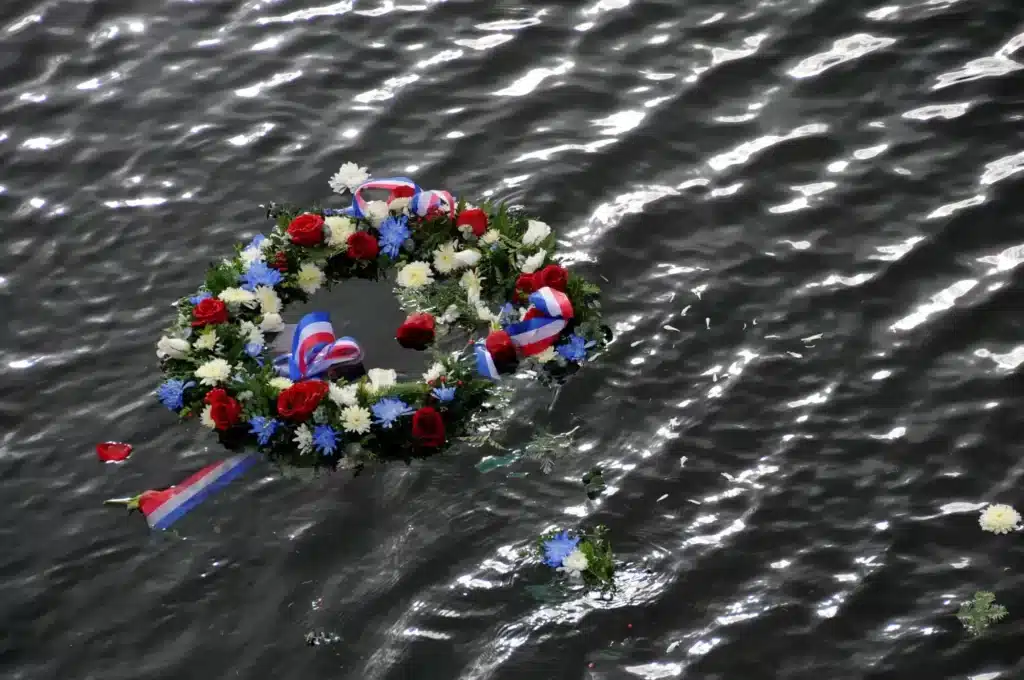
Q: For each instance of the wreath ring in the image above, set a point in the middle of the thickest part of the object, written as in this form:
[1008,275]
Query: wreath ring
[487,271]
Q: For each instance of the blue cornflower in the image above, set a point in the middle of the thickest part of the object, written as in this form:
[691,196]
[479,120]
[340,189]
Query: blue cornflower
[172,393]
[444,394]
[325,439]
[557,548]
[254,349]
[387,411]
[393,232]
[259,274]
[263,428]
[575,349]
[199,297]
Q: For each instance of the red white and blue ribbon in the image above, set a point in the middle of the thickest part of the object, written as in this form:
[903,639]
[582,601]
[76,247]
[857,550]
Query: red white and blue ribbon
[543,322]
[421,203]
[164,508]
[315,349]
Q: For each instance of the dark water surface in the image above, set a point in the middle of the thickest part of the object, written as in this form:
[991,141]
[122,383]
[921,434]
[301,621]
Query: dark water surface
[806,212]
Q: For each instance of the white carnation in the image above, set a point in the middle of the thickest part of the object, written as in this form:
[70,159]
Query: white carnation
[491,236]
[575,563]
[355,419]
[414,275]
[381,378]
[999,519]
[237,296]
[206,417]
[338,230]
[343,396]
[303,438]
[213,372]
[310,278]
[172,348]
[270,303]
[533,262]
[435,372]
[446,258]
[376,212]
[272,323]
[536,231]
[280,383]
[348,178]
[468,258]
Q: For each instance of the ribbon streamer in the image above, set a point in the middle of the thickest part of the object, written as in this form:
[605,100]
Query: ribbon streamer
[315,349]
[421,203]
[543,322]
[164,508]
[485,362]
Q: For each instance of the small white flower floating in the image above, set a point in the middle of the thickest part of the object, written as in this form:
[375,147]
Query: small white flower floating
[583,556]
[999,519]
[487,272]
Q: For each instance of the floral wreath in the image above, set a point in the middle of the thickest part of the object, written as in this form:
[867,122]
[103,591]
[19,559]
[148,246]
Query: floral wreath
[488,271]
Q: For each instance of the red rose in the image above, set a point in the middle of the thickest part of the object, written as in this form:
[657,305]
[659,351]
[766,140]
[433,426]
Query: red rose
[499,344]
[428,427]
[224,409]
[401,192]
[280,262]
[307,230]
[209,312]
[525,284]
[553,276]
[362,246]
[475,218]
[300,400]
[416,332]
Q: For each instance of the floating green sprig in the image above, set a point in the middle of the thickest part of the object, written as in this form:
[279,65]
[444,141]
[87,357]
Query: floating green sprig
[981,612]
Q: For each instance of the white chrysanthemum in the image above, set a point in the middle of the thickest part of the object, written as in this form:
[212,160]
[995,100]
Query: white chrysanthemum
[207,340]
[435,372]
[272,323]
[338,231]
[533,262]
[245,396]
[446,258]
[250,255]
[381,378]
[348,177]
[343,395]
[468,258]
[172,348]
[400,204]
[485,314]
[280,383]
[490,237]
[470,282]
[451,314]
[545,356]
[255,336]
[575,563]
[266,245]
[237,296]
[213,372]
[206,417]
[536,231]
[376,212]
[270,303]
[414,275]
[355,419]
[999,519]
[303,438]
[310,278]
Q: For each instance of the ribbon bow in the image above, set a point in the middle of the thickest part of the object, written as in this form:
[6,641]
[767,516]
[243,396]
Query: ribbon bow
[421,203]
[544,321]
[315,349]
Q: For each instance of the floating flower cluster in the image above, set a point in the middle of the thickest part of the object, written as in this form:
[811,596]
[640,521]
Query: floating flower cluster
[486,271]
[584,557]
